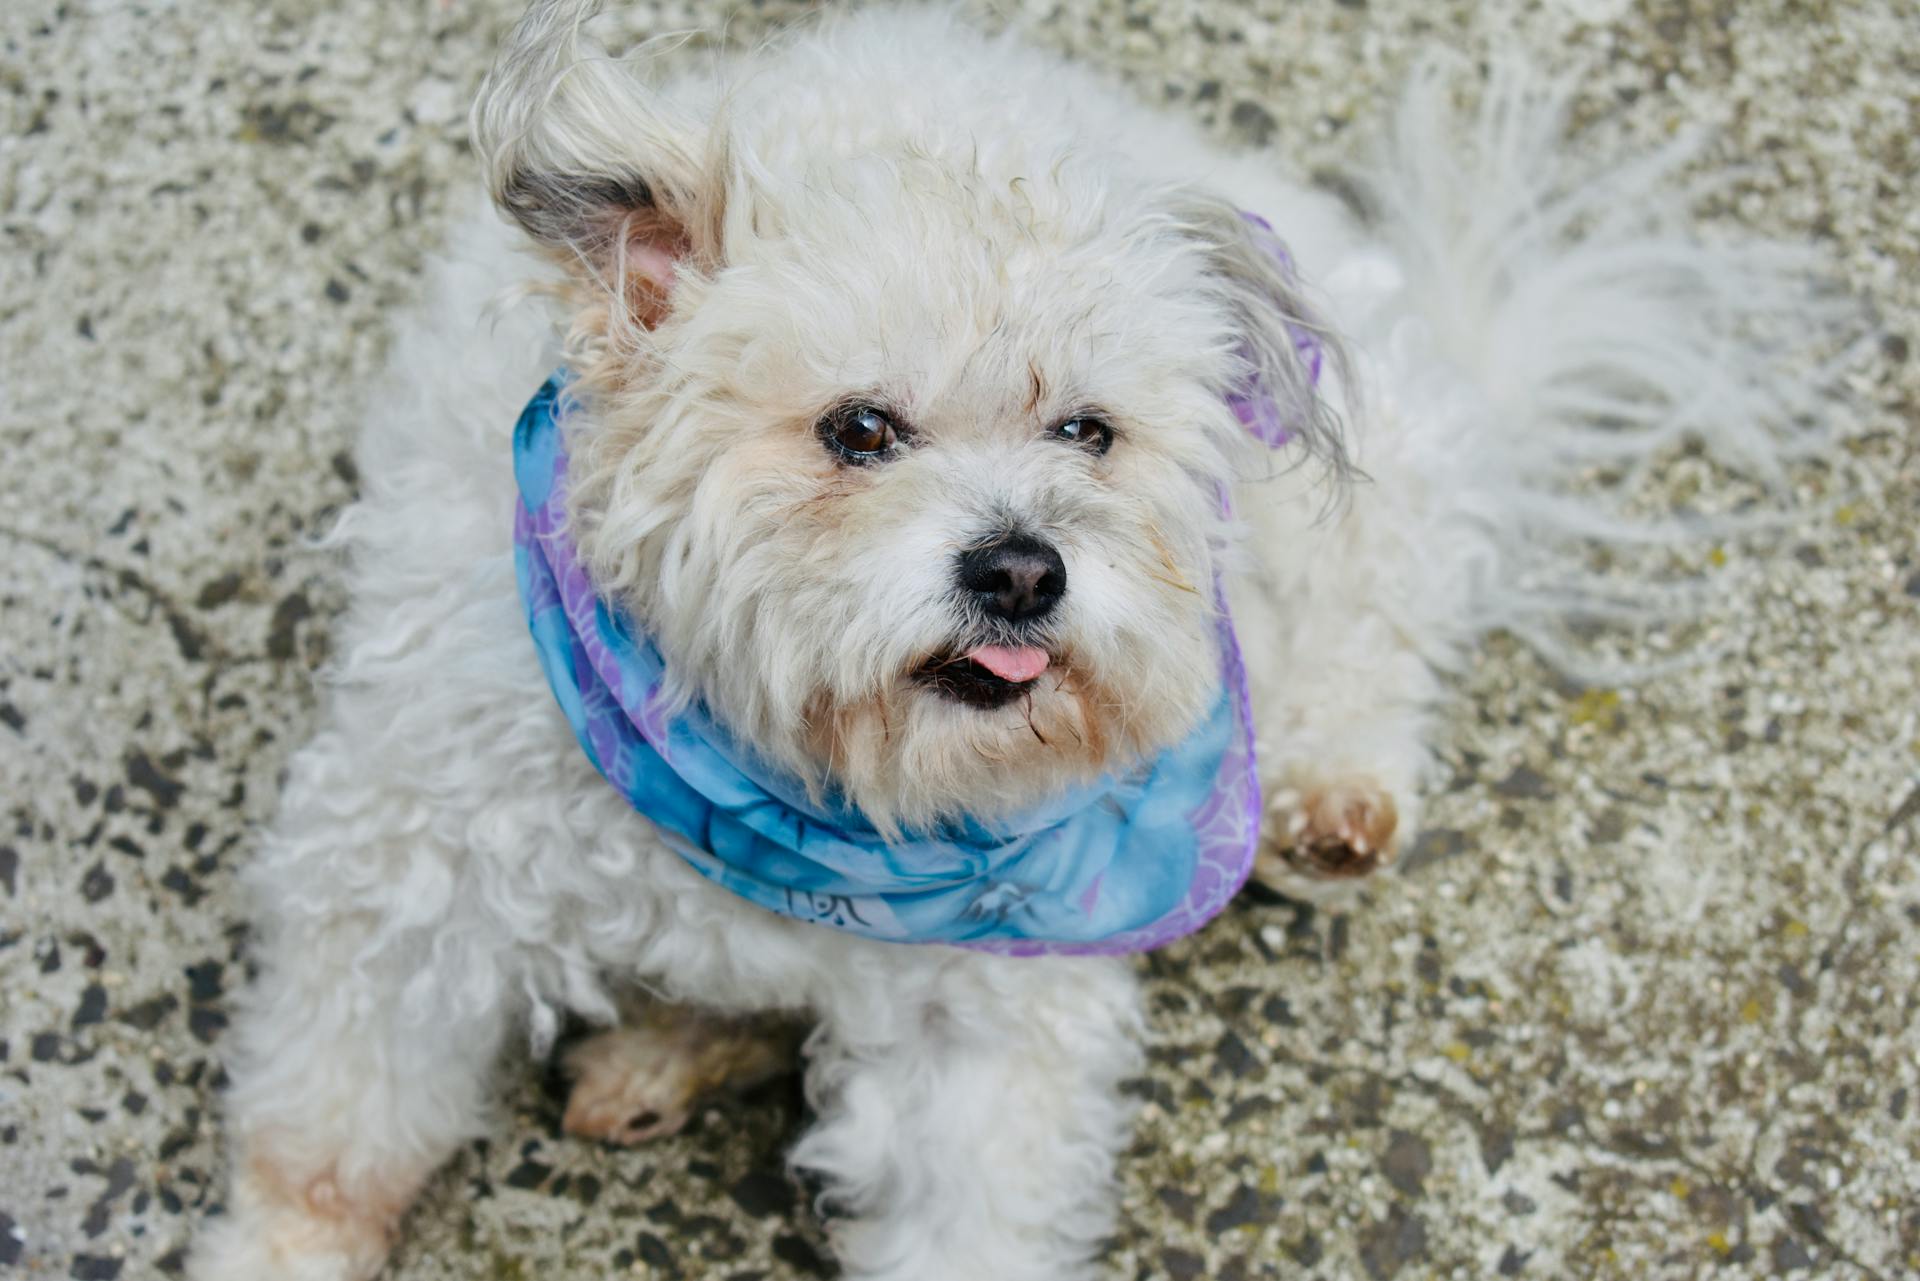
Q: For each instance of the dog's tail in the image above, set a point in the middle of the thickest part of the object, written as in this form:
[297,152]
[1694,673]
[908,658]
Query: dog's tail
[1569,330]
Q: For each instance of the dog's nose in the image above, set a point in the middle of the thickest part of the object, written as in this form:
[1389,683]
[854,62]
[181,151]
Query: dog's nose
[1017,578]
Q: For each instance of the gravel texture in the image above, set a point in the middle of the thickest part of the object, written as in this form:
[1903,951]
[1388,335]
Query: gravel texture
[1646,1006]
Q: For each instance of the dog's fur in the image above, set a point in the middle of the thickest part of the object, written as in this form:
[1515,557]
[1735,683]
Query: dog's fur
[986,241]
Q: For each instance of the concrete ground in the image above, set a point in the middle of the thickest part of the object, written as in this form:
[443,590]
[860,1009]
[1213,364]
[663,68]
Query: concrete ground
[1646,1006]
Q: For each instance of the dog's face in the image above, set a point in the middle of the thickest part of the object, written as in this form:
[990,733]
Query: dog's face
[909,451]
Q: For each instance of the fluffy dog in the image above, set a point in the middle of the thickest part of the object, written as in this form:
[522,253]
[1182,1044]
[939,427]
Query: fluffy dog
[904,364]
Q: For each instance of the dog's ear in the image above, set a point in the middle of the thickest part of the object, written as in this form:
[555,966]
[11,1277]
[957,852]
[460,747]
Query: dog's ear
[1293,374]
[595,166]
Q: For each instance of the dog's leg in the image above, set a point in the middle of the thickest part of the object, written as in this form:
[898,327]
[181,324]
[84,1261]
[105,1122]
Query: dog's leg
[1342,686]
[1343,750]
[344,1100]
[643,1079]
[970,1114]
[361,1056]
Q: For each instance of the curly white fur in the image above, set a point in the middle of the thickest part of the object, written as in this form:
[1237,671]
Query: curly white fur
[987,239]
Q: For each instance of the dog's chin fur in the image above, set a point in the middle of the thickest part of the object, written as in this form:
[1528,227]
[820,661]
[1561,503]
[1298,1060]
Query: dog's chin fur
[910,755]
[982,241]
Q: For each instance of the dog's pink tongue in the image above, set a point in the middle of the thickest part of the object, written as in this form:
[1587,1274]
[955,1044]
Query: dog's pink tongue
[1016,663]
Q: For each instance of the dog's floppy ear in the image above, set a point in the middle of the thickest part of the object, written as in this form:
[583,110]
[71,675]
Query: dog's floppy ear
[1294,368]
[594,164]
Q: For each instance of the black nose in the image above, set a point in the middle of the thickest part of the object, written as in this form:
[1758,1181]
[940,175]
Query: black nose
[1017,578]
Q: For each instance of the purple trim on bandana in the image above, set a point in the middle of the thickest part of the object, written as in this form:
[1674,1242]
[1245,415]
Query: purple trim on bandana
[1255,407]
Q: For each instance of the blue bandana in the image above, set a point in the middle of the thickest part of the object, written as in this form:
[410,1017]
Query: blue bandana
[1130,863]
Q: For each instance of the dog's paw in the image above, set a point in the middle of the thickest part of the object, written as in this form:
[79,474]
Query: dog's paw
[635,1084]
[230,1250]
[292,1227]
[1328,833]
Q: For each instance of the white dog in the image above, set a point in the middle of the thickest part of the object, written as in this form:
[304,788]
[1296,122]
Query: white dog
[927,404]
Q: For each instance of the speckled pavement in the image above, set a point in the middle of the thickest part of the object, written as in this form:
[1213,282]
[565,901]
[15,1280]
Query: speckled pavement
[1645,1008]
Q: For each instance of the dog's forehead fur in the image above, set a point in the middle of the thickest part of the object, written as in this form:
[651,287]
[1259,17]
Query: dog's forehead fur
[963,287]
[963,314]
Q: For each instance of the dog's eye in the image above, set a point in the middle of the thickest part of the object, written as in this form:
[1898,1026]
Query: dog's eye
[1090,433]
[859,433]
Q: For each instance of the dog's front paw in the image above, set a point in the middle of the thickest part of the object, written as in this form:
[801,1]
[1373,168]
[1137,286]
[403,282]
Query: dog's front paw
[635,1084]
[1324,834]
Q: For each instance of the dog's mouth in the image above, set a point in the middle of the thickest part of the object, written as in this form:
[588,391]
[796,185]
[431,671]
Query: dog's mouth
[986,675]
